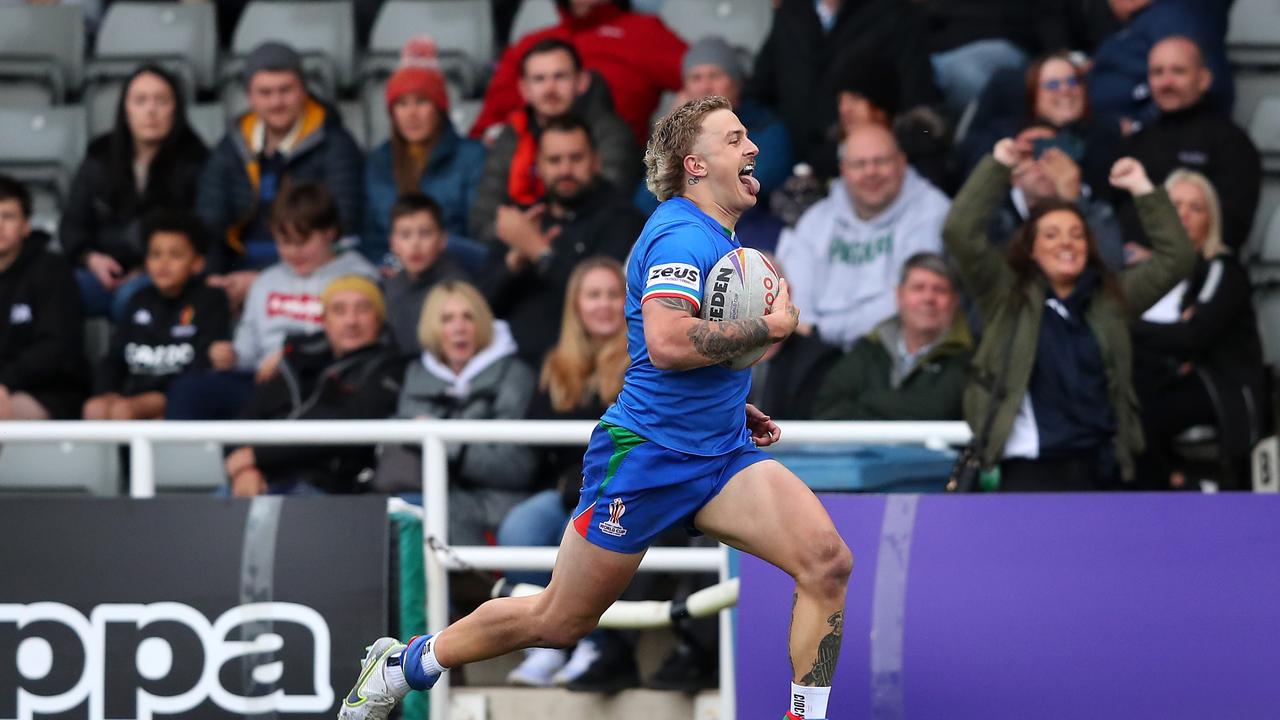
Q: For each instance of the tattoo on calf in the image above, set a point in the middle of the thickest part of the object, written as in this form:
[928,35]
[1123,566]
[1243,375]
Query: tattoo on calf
[720,341]
[824,667]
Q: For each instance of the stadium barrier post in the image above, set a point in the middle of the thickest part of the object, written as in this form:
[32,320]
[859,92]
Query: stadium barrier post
[435,496]
[728,703]
[142,476]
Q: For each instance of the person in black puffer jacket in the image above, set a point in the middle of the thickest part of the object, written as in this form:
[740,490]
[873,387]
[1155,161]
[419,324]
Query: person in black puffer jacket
[1198,358]
[150,160]
[344,374]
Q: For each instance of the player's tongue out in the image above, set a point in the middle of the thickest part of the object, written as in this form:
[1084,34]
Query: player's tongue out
[751,184]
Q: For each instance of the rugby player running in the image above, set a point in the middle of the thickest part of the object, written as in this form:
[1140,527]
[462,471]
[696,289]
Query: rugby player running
[676,447]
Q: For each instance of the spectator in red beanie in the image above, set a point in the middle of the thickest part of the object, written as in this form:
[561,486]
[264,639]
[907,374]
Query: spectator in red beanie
[424,154]
[636,54]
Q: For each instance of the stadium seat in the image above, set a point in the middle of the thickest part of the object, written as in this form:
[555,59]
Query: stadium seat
[65,467]
[354,120]
[1251,88]
[209,120]
[533,15]
[1267,304]
[25,94]
[181,37]
[462,29]
[44,43]
[372,98]
[189,467]
[1263,245]
[321,31]
[1253,33]
[46,209]
[43,146]
[743,23]
[101,99]
[464,114]
[1264,130]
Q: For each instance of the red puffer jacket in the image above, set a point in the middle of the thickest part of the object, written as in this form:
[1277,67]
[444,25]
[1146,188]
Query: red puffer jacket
[636,54]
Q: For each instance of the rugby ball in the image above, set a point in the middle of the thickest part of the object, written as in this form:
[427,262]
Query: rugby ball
[742,284]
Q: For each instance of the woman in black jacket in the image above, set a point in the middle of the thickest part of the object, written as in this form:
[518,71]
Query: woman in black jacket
[149,160]
[1199,358]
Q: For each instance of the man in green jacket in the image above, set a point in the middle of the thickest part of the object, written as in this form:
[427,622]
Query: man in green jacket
[912,366]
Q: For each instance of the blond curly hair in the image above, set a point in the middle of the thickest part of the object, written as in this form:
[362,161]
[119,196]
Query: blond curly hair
[672,140]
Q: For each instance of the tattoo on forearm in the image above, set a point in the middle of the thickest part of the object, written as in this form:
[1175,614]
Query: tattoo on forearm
[824,668]
[676,304]
[720,341]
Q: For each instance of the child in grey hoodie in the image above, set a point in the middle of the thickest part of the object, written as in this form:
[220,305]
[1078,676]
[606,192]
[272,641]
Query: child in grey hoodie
[283,300]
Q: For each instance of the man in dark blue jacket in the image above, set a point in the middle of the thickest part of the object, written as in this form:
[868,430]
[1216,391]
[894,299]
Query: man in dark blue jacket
[1118,80]
[286,136]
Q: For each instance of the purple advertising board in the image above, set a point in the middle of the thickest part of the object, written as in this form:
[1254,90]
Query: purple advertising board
[1038,606]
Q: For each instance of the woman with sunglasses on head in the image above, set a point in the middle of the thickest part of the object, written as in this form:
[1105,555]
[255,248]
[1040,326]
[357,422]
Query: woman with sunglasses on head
[1051,93]
[1056,94]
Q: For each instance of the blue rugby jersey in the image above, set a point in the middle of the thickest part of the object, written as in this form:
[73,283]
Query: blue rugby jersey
[701,411]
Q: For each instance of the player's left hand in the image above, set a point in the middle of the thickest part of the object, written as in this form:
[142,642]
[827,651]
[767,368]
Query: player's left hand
[764,431]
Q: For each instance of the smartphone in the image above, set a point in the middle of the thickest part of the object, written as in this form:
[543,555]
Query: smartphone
[1070,145]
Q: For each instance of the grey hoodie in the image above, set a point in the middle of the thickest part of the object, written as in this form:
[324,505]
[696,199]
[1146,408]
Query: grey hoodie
[281,302]
[843,270]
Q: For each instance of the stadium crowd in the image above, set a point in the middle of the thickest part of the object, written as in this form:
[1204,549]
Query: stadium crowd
[1060,269]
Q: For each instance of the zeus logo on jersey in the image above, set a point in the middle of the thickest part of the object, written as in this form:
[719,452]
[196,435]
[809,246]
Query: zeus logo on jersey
[161,659]
[677,273]
[674,280]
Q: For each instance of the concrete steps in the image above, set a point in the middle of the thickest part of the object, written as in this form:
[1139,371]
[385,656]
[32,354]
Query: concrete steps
[491,703]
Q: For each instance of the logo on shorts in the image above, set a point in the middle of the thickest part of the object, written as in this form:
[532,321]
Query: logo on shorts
[612,526]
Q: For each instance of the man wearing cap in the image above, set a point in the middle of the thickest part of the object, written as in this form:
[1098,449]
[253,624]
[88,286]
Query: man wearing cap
[912,366]
[344,374]
[712,67]
[286,135]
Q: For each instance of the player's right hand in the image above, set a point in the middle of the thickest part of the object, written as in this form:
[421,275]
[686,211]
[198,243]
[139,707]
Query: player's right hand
[782,317]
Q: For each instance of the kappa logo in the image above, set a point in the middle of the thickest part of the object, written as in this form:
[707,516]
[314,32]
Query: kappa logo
[613,526]
[20,313]
[58,658]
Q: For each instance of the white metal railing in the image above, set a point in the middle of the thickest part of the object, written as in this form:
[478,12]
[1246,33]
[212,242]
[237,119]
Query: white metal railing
[432,435]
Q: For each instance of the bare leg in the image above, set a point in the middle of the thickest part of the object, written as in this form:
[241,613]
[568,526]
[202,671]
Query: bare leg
[790,529]
[147,406]
[586,581]
[98,407]
[26,407]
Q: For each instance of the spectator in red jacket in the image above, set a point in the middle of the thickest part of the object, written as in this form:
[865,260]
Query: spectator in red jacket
[636,54]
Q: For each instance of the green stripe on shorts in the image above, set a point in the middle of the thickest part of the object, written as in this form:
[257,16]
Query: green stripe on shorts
[624,441]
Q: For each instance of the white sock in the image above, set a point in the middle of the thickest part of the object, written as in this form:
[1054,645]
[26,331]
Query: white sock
[394,675]
[430,664]
[809,702]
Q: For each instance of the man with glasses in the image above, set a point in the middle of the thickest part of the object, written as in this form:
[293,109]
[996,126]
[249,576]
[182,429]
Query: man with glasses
[845,253]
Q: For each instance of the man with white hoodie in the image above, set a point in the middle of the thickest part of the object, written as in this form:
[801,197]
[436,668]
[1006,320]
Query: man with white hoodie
[846,252]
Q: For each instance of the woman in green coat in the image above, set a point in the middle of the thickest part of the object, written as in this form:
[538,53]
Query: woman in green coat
[1051,398]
